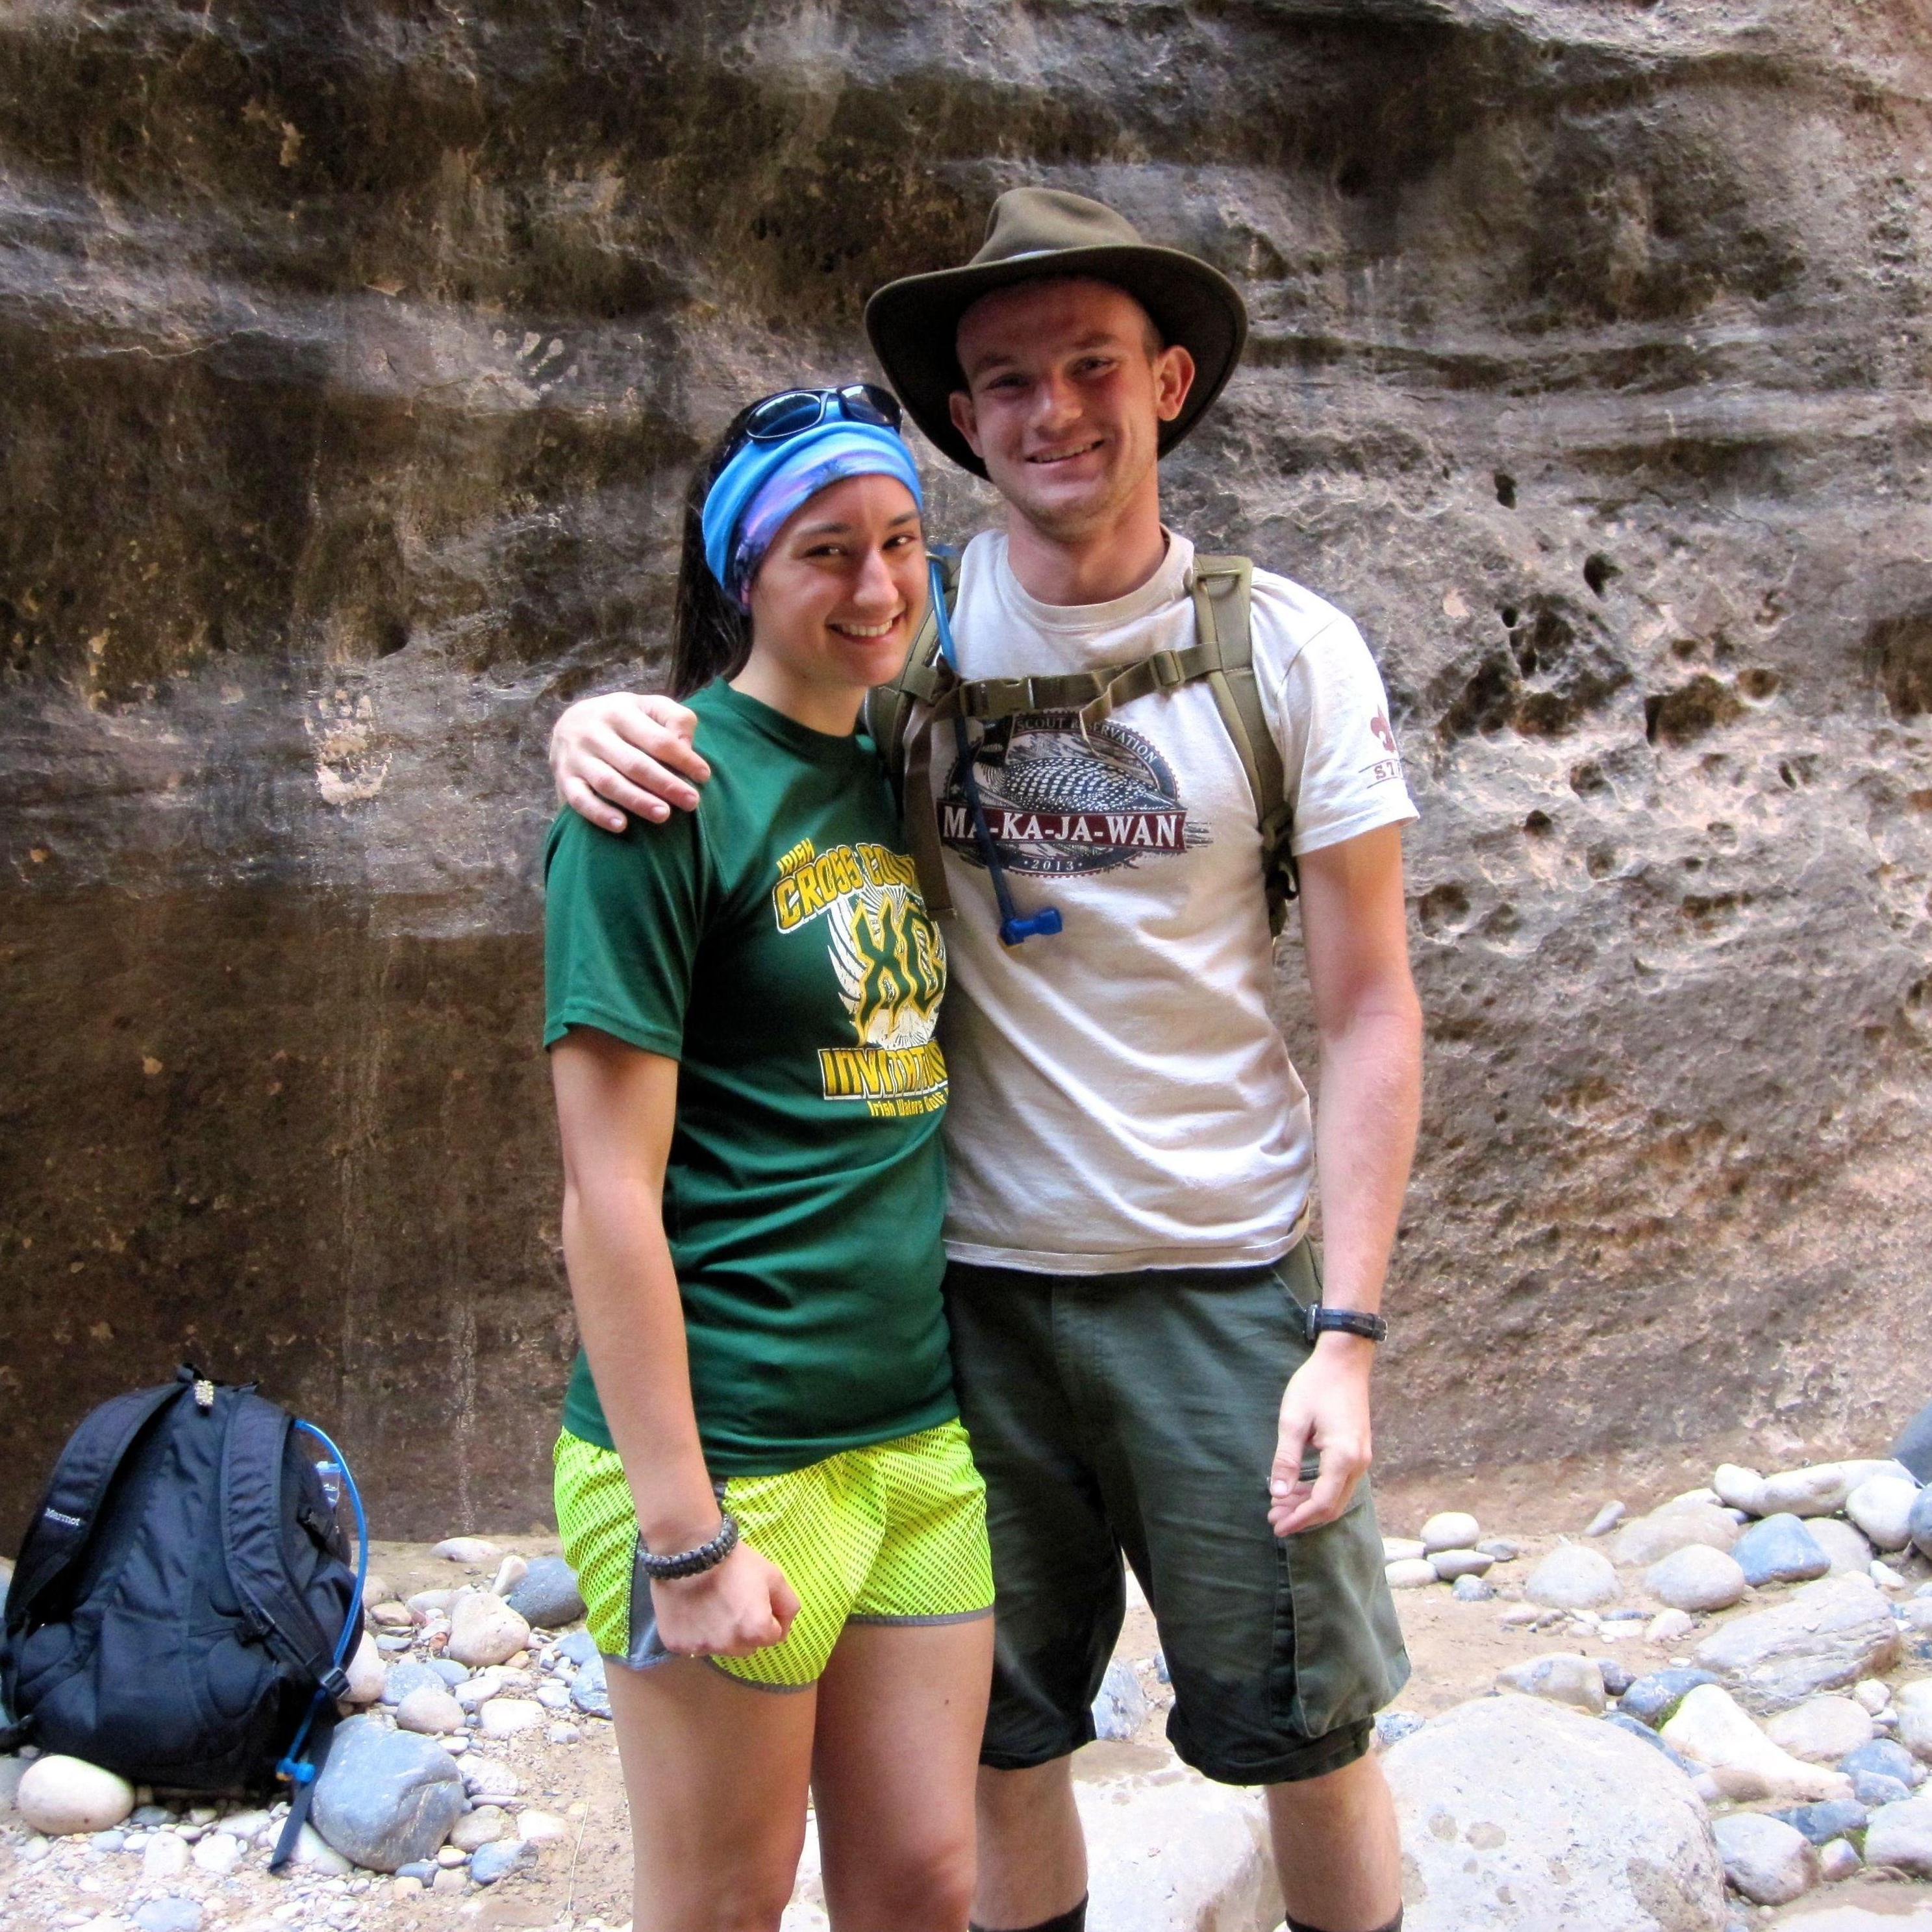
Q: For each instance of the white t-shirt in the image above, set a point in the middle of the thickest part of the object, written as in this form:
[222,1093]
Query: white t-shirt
[1123,1098]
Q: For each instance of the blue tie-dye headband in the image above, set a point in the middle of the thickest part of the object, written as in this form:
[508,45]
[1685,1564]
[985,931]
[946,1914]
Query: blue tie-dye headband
[765,482]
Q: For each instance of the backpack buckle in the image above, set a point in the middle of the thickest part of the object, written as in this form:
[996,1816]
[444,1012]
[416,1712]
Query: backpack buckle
[1168,673]
[996,698]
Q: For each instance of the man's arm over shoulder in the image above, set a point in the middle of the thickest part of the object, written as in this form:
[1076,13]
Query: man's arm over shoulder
[626,751]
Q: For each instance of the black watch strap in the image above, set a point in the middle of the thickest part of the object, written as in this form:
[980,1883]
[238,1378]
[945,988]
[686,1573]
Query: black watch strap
[1348,1321]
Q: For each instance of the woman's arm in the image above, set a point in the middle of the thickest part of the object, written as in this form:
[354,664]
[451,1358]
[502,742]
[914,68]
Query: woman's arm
[615,1108]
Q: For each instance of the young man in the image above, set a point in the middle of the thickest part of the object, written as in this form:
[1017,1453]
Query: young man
[1131,1152]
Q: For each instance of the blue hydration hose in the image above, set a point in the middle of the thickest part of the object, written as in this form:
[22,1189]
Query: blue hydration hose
[297,1769]
[1013,929]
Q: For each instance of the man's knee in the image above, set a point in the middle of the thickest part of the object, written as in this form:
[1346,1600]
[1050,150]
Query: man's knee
[1293,1924]
[1072,1921]
[1019,1795]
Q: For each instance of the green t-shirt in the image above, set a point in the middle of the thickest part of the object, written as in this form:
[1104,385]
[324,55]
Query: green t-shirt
[775,943]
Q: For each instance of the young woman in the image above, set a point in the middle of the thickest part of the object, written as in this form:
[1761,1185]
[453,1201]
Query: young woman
[762,1480]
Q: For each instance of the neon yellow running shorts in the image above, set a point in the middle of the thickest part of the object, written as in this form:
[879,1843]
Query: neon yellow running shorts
[895,1533]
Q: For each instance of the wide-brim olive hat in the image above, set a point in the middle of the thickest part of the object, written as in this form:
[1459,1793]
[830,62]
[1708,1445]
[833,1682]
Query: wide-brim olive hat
[1033,234]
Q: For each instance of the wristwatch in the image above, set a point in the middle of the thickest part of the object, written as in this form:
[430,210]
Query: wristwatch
[1347,1320]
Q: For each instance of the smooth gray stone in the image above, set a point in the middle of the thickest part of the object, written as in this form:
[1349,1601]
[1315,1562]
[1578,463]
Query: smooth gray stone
[1836,1818]
[402,1679]
[1914,1446]
[386,1798]
[1121,1708]
[1919,1526]
[1392,1726]
[1618,1677]
[452,1672]
[169,1915]
[425,1869]
[580,1646]
[1656,1743]
[1780,1549]
[547,1597]
[1874,1788]
[1651,1699]
[491,1862]
[589,1692]
[1472,1590]
[1882,1755]
[1764,1858]
[1488,1792]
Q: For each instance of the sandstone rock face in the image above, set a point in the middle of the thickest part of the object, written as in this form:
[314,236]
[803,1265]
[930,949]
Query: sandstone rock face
[1517,1815]
[354,359]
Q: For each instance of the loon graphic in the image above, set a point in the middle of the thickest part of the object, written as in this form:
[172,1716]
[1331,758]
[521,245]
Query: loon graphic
[1058,800]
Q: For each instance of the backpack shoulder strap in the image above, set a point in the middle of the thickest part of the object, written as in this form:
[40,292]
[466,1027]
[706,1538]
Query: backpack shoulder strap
[65,1519]
[921,678]
[253,1458]
[1222,588]
[925,679]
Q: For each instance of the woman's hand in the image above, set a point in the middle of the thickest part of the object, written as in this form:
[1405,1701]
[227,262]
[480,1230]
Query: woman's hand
[628,750]
[744,1604]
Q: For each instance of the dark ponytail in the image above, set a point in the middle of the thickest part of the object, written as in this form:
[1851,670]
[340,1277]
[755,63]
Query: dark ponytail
[711,637]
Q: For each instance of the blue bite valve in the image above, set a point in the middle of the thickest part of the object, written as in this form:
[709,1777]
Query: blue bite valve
[1042,924]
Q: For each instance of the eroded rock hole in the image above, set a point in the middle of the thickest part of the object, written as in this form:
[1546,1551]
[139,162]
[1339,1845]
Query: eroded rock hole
[1759,685]
[1505,489]
[1899,651]
[1598,571]
[1539,825]
[1681,717]
[1443,909]
[1557,667]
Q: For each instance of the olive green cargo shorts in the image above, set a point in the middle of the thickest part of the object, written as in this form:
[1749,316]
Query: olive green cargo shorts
[1137,1414]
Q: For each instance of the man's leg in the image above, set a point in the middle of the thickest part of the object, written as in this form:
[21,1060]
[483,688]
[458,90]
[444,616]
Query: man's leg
[1279,1652]
[1059,1596]
[1361,1892]
[1033,1855]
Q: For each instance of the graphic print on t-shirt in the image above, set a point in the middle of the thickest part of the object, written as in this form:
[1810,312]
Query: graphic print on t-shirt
[889,962]
[1061,800]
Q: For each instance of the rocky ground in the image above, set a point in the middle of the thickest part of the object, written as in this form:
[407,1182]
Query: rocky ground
[1715,1714]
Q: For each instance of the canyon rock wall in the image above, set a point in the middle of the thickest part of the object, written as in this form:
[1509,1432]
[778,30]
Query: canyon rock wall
[351,357]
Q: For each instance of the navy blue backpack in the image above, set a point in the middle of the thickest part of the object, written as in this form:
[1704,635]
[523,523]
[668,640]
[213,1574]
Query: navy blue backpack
[184,1601]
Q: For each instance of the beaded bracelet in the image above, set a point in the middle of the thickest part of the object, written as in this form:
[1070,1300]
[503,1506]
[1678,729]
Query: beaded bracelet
[690,1562]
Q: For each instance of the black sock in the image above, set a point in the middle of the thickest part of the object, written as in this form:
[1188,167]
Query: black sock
[1394,1925]
[1074,1920]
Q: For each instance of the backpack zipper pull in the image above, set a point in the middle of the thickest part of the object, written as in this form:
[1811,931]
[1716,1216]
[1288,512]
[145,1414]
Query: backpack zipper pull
[204,1394]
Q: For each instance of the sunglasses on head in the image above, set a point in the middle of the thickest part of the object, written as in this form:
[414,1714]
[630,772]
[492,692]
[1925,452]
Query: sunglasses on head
[792,410]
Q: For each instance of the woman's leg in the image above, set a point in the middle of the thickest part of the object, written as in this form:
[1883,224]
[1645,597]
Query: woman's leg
[901,1708]
[716,1773]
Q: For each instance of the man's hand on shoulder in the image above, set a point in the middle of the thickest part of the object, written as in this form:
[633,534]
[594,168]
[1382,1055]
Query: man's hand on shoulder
[1325,1408]
[633,753]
